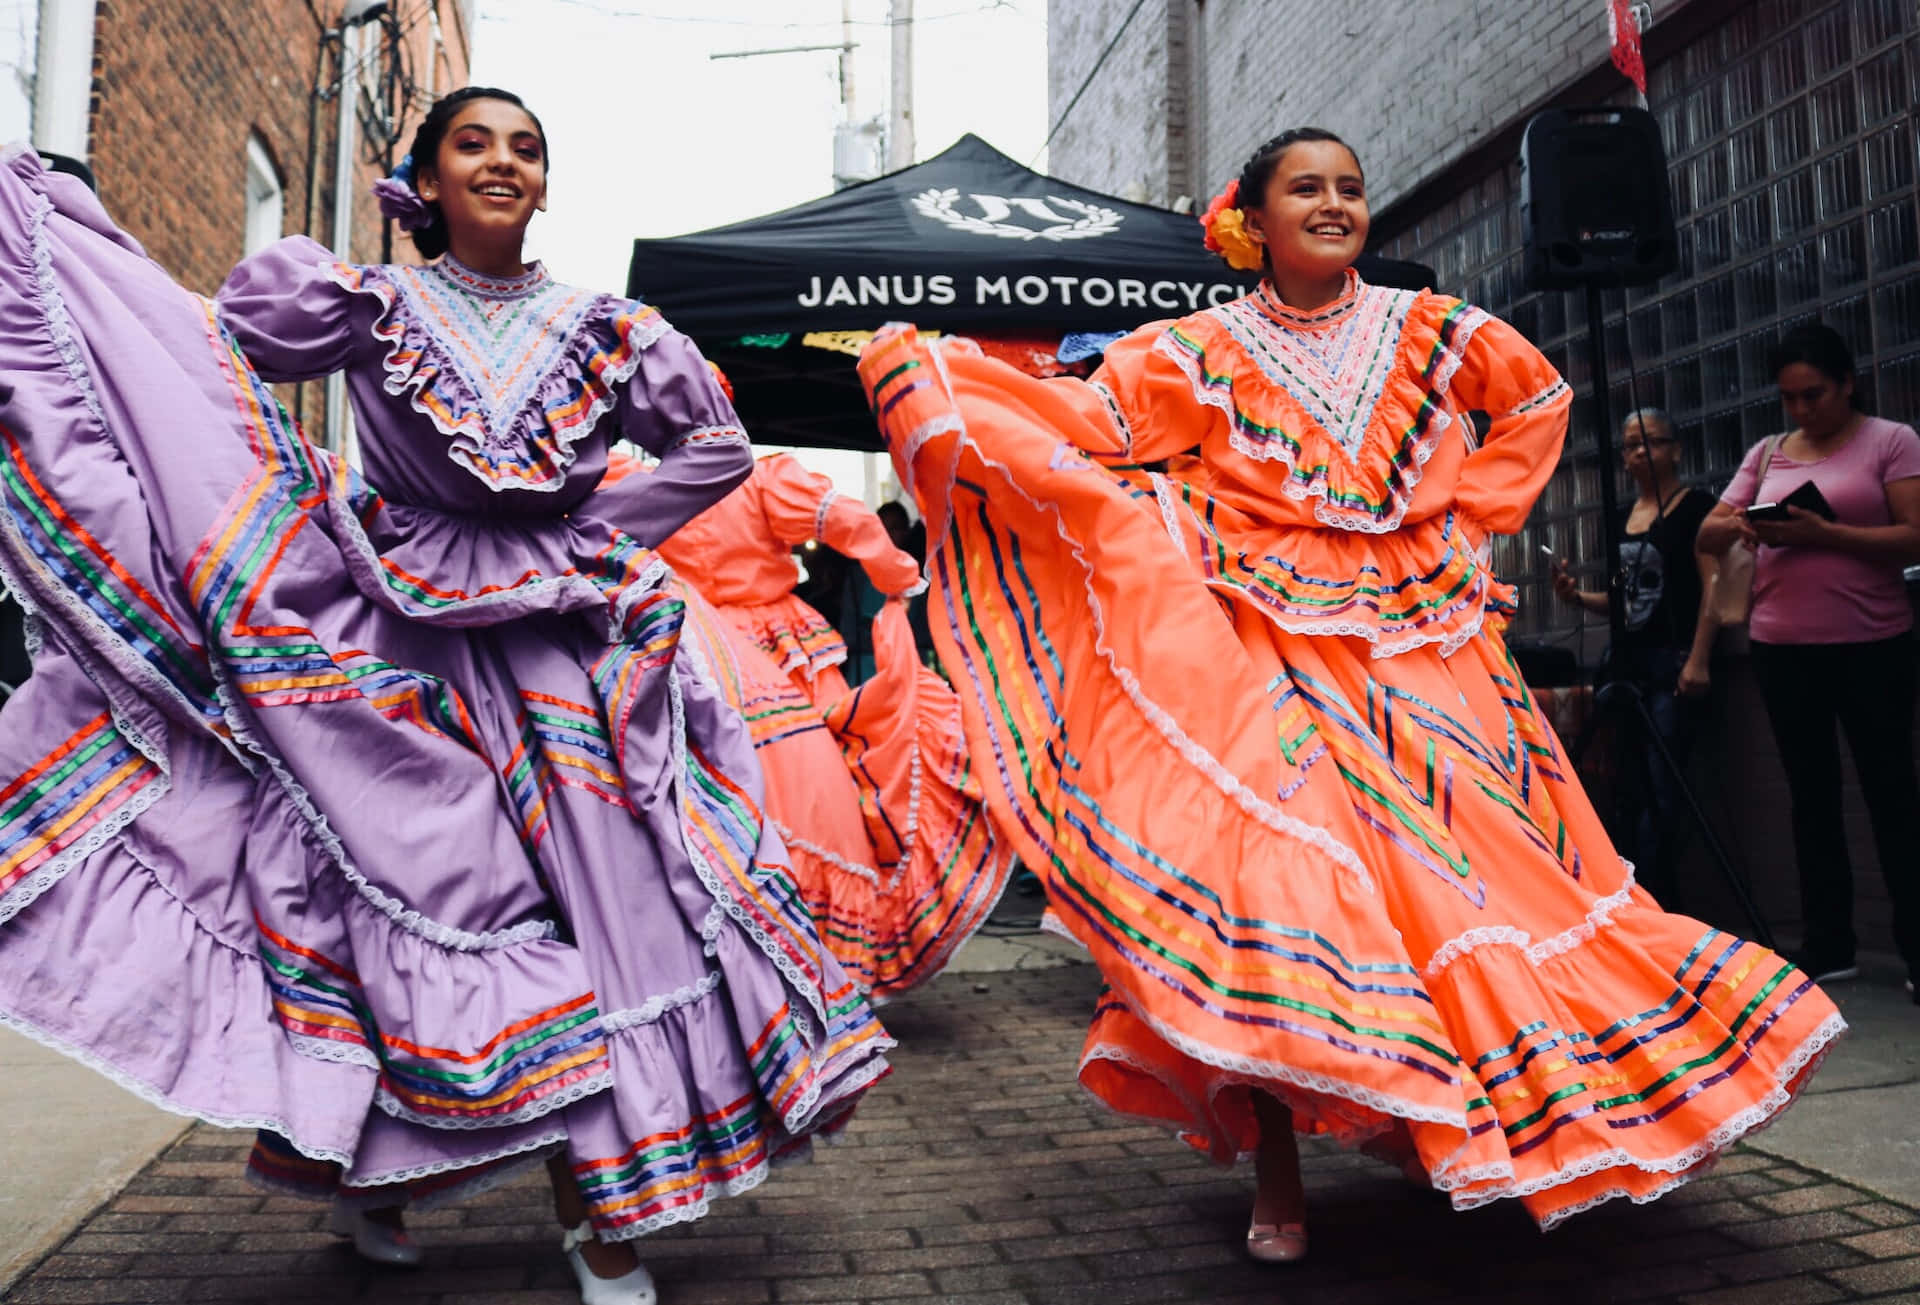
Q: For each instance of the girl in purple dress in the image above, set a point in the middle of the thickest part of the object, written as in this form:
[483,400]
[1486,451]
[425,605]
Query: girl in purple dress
[388,816]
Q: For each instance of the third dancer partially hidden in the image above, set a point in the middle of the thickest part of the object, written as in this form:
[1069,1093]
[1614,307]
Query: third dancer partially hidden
[871,789]
[1254,720]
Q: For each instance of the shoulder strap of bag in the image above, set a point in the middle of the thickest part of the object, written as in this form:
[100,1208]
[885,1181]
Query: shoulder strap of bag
[1766,461]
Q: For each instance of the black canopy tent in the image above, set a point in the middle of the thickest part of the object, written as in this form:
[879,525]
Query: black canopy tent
[967,241]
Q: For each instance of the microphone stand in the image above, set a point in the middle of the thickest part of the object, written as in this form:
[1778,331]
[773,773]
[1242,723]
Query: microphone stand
[1621,698]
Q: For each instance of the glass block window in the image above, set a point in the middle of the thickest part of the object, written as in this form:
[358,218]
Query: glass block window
[1793,145]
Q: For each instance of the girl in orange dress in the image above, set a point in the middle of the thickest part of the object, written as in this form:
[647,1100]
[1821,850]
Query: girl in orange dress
[1253,721]
[873,789]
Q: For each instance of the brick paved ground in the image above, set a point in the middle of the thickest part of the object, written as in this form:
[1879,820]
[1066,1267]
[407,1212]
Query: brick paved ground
[979,1174]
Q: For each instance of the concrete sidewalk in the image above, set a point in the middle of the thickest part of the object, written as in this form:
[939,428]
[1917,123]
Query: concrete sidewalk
[69,1139]
[980,1173]
[1860,1119]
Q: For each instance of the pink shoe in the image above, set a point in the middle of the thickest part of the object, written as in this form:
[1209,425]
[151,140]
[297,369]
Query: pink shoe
[1277,1243]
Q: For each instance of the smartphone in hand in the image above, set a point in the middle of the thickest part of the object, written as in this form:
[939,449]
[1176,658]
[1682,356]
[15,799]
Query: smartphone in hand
[1807,498]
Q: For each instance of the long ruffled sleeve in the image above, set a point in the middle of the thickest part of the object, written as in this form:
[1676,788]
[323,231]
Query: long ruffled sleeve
[800,505]
[673,407]
[1507,378]
[291,314]
[1125,403]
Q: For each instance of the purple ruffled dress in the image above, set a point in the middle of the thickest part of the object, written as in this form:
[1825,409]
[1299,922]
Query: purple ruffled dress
[394,823]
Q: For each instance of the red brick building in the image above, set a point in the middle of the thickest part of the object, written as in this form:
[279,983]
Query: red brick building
[214,127]
[204,124]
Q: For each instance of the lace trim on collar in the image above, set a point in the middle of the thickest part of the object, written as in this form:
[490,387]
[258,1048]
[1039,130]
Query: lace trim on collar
[494,287]
[512,383]
[1273,306]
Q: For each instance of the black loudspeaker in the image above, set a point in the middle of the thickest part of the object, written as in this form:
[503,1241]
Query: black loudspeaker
[1543,664]
[1595,207]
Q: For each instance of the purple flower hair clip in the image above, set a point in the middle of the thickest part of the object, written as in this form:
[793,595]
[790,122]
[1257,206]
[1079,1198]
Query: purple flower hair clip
[400,201]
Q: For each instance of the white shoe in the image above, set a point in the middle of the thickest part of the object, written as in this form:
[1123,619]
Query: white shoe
[635,1288]
[375,1242]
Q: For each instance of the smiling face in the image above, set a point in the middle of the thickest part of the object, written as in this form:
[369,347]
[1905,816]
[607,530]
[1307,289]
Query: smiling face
[489,175]
[1313,217]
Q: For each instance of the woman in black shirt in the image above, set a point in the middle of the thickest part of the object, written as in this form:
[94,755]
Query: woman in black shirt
[1668,643]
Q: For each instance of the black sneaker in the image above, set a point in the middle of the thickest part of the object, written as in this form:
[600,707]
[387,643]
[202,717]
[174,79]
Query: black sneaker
[1824,969]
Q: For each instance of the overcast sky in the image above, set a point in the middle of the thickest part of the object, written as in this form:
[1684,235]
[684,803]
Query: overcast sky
[651,136]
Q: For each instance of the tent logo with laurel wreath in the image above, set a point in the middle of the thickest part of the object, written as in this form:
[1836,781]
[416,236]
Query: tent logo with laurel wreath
[1057,218]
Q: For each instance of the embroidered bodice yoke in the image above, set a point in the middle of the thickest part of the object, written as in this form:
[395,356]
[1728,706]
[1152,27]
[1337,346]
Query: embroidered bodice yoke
[519,382]
[1352,416]
[514,371]
[484,412]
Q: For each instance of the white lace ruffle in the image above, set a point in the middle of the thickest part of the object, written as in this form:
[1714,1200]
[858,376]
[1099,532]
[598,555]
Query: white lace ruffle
[544,1144]
[392,1105]
[335,1053]
[653,1009]
[709,877]
[804,1109]
[1685,1165]
[917,439]
[347,530]
[738,1185]
[54,311]
[726,434]
[652,577]
[1326,514]
[1501,935]
[793,840]
[1255,1072]
[1471,320]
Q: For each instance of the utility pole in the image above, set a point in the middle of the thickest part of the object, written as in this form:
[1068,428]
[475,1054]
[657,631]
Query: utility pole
[900,87]
[846,60]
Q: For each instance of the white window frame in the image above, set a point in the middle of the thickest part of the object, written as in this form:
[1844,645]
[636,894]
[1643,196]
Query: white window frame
[266,197]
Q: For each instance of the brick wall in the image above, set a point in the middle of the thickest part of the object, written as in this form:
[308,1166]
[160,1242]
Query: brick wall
[1115,138]
[179,85]
[1413,86]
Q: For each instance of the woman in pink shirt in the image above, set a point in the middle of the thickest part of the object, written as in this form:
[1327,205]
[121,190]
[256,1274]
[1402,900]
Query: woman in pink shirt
[1832,634]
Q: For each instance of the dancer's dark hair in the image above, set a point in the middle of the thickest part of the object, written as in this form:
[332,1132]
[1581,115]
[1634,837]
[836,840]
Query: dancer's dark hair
[1259,169]
[1817,345]
[432,240]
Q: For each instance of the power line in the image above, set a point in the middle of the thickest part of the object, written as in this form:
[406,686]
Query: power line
[1091,74]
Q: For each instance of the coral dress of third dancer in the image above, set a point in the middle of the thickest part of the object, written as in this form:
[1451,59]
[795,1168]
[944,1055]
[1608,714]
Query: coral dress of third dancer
[1252,718]
[871,789]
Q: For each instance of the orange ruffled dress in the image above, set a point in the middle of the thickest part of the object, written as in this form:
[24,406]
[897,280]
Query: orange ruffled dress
[873,789]
[1253,721]
[740,554]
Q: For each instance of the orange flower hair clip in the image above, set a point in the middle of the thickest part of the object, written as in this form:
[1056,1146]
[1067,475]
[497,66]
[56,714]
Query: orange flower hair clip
[1225,223]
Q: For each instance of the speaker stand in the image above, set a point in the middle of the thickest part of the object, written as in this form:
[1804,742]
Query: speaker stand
[1621,700]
